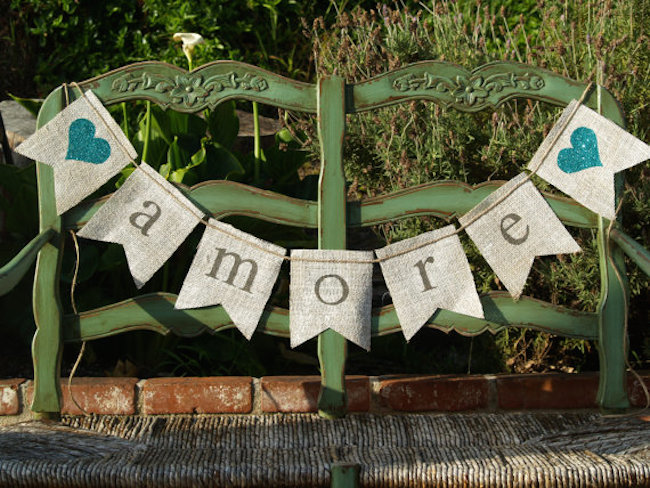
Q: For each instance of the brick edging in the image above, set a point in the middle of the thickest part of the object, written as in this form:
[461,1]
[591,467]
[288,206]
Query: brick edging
[299,394]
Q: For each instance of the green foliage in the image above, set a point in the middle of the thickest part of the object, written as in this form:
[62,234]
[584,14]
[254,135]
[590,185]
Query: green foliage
[223,354]
[401,146]
[63,40]
[19,210]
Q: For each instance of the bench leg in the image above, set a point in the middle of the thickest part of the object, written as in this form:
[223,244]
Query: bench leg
[332,351]
[344,475]
[612,337]
[47,346]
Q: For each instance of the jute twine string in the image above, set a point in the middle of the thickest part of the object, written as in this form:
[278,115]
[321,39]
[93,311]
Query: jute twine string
[73,285]
[359,261]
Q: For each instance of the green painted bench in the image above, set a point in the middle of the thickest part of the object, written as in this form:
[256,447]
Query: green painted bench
[330,99]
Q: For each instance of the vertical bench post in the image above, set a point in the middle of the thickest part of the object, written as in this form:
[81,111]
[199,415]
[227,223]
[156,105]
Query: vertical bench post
[47,345]
[332,347]
[612,388]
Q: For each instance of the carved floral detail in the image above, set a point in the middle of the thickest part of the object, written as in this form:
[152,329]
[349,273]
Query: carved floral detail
[468,90]
[189,88]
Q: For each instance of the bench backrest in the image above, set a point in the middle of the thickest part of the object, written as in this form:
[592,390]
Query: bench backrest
[330,99]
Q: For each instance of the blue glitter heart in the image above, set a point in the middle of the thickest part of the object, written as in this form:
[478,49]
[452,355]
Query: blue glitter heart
[84,146]
[583,154]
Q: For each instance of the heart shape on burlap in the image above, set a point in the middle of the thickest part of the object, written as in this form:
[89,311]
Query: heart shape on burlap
[583,154]
[84,146]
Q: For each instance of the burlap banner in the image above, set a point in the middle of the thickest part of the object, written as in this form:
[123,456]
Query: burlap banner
[149,217]
[234,269]
[587,152]
[84,146]
[516,230]
[429,277]
[330,295]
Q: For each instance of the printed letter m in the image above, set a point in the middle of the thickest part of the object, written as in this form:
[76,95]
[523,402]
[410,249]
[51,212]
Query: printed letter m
[237,261]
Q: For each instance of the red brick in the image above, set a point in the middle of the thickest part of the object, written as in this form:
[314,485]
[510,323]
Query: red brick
[635,390]
[9,402]
[103,396]
[300,393]
[548,391]
[429,393]
[222,394]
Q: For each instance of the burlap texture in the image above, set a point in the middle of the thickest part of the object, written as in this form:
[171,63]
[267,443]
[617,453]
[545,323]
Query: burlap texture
[333,295]
[149,217]
[74,180]
[515,231]
[592,186]
[430,277]
[233,272]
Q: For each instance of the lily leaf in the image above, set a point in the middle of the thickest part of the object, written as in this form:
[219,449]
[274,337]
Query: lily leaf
[224,165]
[186,175]
[171,124]
[31,105]
[157,143]
[124,174]
[223,124]
[177,156]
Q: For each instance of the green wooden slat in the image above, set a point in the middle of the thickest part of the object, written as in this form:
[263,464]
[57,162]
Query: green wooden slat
[205,87]
[223,198]
[470,91]
[501,311]
[332,347]
[12,272]
[47,346]
[449,199]
[444,199]
[156,312]
[635,251]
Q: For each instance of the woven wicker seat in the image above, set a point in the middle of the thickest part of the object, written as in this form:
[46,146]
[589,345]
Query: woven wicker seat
[487,450]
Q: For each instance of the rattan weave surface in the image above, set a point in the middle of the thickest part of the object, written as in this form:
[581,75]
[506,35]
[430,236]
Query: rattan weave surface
[579,449]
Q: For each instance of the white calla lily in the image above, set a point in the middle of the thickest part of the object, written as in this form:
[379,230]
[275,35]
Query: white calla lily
[190,40]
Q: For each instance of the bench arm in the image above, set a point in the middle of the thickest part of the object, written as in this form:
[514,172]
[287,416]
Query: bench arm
[12,272]
[635,251]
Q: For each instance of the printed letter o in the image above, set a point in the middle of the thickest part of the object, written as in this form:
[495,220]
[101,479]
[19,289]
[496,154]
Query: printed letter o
[344,287]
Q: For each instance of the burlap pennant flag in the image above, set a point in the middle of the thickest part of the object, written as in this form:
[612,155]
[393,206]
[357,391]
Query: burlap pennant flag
[428,272]
[516,230]
[581,154]
[234,269]
[333,295]
[84,146]
[149,217]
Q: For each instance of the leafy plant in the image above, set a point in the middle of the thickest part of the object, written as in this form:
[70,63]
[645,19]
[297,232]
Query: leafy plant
[405,145]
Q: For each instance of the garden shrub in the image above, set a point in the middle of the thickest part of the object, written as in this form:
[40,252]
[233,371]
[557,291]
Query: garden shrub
[51,41]
[417,142]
